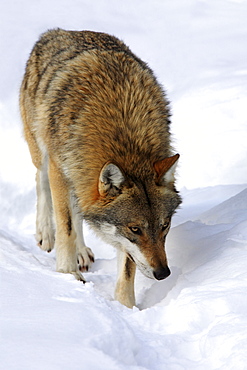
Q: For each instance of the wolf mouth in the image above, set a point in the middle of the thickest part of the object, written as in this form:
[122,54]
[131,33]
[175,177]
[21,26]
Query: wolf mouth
[145,270]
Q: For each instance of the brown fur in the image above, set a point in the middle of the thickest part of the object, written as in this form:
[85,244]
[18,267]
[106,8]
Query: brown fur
[87,101]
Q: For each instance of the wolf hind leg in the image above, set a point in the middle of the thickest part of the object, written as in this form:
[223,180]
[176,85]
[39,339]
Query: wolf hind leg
[65,239]
[85,256]
[44,219]
[124,291]
[45,233]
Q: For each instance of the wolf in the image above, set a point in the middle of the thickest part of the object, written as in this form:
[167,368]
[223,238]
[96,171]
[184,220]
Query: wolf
[97,124]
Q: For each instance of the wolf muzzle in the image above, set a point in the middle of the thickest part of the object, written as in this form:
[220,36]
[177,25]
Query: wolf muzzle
[162,273]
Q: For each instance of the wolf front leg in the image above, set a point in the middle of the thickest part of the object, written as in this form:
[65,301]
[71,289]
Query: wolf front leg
[65,239]
[124,291]
[85,256]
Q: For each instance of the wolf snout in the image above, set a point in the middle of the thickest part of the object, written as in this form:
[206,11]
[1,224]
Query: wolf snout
[162,273]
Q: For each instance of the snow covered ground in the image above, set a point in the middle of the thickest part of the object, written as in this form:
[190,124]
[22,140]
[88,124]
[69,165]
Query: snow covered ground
[195,319]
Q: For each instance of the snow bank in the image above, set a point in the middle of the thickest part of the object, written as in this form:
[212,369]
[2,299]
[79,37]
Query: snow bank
[195,319]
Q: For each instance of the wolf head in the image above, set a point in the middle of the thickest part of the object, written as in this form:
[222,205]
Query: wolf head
[135,215]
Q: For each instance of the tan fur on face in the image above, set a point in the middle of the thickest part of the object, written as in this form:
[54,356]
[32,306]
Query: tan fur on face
[154,252]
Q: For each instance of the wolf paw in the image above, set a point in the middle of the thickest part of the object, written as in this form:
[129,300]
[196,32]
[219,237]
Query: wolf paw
[46,239]
[85,258]
[79,276]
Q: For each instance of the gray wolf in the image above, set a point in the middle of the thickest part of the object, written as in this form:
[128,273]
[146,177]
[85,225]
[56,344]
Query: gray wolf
[97,125]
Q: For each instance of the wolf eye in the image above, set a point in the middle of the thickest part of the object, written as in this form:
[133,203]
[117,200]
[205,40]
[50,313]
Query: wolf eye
[136,230]
[165,226]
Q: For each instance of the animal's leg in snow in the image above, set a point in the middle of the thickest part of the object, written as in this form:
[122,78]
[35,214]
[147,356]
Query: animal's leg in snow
[45,234]
[124,291]
[65,241]
[85,256]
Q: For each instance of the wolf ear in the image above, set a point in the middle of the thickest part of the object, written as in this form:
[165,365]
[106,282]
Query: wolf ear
[110,180]
[165,169]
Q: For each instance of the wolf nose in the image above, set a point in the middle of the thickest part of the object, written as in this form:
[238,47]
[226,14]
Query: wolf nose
[162,273]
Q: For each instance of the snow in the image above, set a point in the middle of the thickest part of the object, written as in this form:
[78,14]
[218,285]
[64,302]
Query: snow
[196,318]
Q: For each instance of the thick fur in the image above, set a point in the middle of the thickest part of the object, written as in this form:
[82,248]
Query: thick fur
[97,125]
